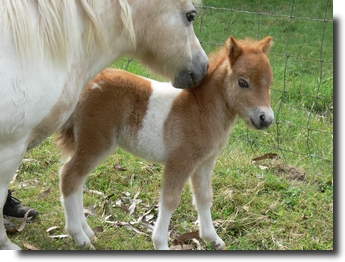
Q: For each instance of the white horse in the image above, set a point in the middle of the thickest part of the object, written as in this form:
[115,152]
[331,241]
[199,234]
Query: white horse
[50,50]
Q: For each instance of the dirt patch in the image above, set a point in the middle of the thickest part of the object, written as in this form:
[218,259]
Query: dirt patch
[289,172]
[274,163]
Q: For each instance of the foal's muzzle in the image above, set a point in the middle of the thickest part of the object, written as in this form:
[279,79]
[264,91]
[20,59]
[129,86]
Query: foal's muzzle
[261,117]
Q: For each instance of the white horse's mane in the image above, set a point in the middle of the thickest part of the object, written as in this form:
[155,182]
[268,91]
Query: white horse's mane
[58,26]
[126,18]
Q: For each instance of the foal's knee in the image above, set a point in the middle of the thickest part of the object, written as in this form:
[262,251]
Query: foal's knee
[170,201]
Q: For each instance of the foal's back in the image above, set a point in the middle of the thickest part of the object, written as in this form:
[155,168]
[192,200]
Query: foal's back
[118,108]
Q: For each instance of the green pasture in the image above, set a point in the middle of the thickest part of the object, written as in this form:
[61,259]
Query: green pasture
[282,202]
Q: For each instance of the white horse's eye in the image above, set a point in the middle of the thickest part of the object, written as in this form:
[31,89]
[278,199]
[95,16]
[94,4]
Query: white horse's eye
[191,15]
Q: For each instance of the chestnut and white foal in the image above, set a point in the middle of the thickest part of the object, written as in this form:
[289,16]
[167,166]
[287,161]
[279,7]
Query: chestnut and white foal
[183,129]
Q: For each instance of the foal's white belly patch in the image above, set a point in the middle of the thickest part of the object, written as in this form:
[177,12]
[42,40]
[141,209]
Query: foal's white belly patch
[150,140]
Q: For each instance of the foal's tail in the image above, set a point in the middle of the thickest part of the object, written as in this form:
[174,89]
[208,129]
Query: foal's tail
[65,139]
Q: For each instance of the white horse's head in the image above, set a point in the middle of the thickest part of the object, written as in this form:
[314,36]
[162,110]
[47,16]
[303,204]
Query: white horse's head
[165,40]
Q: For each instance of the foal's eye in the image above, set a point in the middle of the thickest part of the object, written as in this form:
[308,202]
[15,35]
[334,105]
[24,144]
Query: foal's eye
[242,83]
[191,15]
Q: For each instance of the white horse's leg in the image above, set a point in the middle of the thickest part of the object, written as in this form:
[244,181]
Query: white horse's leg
[10,160]
[5,242]
[202,197]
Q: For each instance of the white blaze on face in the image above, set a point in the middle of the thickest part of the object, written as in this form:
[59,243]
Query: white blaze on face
[150,137]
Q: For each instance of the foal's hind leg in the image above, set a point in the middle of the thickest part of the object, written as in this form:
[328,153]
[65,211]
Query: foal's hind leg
[73,176]
[72,181]
[202,196]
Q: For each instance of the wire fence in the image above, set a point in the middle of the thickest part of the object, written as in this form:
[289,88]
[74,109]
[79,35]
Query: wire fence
[302,62]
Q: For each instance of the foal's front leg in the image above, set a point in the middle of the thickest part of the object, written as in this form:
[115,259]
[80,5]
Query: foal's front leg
[202,196]
[176,173]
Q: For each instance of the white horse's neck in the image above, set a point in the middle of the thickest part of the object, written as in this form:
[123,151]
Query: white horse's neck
[114,46]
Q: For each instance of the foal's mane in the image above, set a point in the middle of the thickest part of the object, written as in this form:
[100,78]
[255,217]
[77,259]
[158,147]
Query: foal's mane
[216,58]
[58,26]
[248,45]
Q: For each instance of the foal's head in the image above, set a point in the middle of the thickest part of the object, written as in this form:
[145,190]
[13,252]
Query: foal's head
[249,81]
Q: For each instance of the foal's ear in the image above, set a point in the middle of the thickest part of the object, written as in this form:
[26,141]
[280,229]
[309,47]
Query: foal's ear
[233,50]
[266,44]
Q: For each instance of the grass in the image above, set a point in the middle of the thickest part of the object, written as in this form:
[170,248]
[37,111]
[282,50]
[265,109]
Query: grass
[271,204]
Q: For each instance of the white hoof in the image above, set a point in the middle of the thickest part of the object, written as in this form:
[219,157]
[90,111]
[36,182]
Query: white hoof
[218,244]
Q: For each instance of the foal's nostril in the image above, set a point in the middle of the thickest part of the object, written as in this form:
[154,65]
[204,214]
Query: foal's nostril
[262,119]
[265,121]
